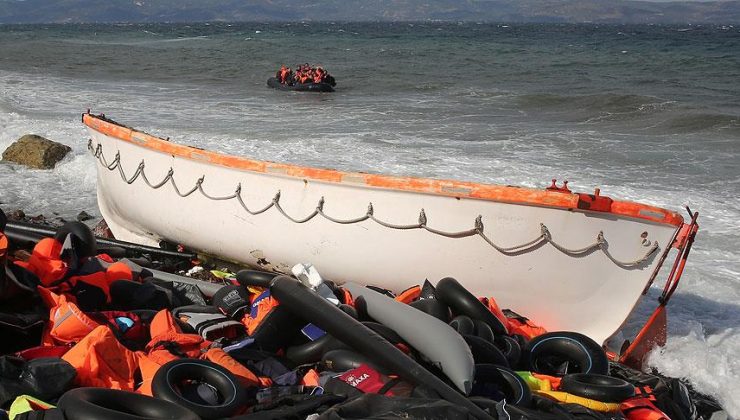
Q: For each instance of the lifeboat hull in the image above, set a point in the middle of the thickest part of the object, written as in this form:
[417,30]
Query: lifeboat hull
[541,253]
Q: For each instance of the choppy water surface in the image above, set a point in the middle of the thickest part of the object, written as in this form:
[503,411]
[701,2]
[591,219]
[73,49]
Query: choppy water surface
[647,113]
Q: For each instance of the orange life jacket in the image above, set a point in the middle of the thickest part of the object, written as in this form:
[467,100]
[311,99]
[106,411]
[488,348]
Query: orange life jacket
[495,310]
[245,376]
[262,305]
[641,407]
[3,247]
[311,378]
[409,295]
[67,323]
[102,361]
[45,261]
[168,343]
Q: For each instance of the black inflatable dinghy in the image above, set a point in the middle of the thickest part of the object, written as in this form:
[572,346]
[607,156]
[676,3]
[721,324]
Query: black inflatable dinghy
[300,87]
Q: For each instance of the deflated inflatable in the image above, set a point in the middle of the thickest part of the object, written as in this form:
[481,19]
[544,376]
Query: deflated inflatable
[445,348]
[317,310]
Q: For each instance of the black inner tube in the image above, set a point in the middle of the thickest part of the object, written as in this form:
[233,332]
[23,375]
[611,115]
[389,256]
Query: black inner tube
[462,302]
[172,380]
[112,404]
[597,387]
[561,352]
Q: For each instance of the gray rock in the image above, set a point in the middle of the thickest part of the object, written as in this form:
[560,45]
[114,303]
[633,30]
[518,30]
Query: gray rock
[83,216]
[36,152]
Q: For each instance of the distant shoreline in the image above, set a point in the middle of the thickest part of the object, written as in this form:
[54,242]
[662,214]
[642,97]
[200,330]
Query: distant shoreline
[277,11]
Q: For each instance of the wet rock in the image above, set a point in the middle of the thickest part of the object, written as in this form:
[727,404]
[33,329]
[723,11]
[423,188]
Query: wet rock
[83,215]
[101,230]
[16,215]
[36,152]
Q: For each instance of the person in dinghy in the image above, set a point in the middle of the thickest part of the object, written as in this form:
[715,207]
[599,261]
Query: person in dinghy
[306,78]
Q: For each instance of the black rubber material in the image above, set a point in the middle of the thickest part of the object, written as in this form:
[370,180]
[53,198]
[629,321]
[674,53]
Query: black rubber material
[256,278]
[384,331]
[317,310]
[312,351]
[510,348]
[597,387]
[342,360]
[508,382]
[483,331]
[168,379]
[463,325]
[463,302]
[485,351]
[433,307]
[112,404]
[277,329]
[30,230]
[549,352]
[300,87]
[83,240]
[349,310]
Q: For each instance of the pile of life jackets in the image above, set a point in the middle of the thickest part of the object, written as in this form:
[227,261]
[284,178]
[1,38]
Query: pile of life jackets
[115,336]
[304,73]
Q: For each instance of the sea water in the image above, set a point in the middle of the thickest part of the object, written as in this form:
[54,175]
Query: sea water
[646,113]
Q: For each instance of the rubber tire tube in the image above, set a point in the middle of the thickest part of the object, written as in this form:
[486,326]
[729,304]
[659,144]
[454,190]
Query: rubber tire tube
[463,325]
[565,346]
[433,307]
[84,242]
[462,302]
[342,360]
[113,404]
[349,310]
[484,352]
[312,351]
[597,387]
[176,371]
[277,329]
[361,308]
[256,278]
[510,348]
[483,331]
[513,386]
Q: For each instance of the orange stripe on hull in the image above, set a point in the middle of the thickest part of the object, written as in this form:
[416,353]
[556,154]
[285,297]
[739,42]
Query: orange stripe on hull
[450,188]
